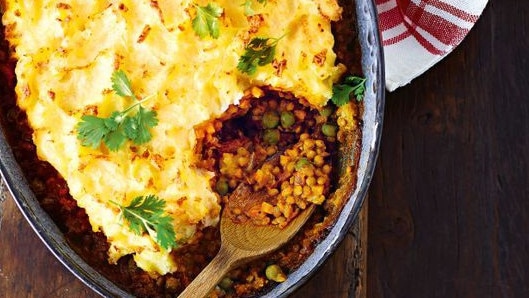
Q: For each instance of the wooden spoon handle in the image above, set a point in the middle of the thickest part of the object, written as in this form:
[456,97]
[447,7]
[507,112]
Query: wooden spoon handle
[211,275]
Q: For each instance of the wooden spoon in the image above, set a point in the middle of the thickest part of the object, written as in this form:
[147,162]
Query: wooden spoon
[241,243]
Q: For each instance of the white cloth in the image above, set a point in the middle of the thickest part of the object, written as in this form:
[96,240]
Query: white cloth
[416,34]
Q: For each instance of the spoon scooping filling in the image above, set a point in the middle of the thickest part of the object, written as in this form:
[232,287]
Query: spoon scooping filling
[270,124]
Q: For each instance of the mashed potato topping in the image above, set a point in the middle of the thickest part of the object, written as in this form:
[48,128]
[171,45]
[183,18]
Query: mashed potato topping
[67,52]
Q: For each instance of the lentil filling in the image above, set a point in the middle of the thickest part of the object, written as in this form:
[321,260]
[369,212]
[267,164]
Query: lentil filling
[270,125]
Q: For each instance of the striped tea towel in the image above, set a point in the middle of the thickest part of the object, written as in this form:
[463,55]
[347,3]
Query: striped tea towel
[416,34]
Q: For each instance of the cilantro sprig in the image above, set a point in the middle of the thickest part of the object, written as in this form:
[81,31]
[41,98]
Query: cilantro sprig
[206,22]
[147,214]
[341,93]
[260,51]
[119,127]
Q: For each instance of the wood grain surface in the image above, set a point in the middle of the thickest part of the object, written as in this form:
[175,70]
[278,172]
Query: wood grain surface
[449,204]
[27,268]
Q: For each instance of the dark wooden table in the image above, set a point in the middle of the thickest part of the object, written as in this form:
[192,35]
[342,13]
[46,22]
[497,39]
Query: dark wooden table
[449,204]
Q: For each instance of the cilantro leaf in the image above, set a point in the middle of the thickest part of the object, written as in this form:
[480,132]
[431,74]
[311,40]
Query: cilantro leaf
[259,52]
[359,85]
[137,127]
[119,127]
[115,139]
[121,84]
[341,93]
[146,214]
[115,119]
[91,130]
[206,22]
[248,10]
[165,234]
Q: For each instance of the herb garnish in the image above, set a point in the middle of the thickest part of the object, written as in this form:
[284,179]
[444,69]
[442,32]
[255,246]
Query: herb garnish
[206,22]
[341,93]
[146,214]
[260,51]
[248,6]
[119,127]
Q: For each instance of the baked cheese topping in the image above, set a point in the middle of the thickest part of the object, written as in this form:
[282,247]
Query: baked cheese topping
[67,52]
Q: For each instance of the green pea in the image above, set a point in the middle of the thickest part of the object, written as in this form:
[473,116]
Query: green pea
[327,111]
[329,129]
[274,272]
[226,283]
[222,187]
[271,136]
[270,119]
[287,119]
[301,163]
